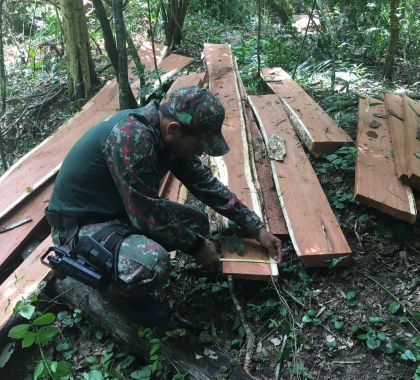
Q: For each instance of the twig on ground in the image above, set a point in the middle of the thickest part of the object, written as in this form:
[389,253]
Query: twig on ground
[250,337]
[395,298]
[357,234]
[278,367]
[290,295]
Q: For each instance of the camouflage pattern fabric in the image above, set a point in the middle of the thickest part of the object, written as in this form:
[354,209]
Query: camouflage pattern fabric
[137,161]
[134,153]
[202,113]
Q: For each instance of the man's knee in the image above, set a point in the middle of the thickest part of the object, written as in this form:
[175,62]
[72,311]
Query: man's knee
[143,265]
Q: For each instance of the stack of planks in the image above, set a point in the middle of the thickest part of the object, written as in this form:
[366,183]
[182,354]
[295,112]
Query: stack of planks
[388,161]
[27,185]
[313,228]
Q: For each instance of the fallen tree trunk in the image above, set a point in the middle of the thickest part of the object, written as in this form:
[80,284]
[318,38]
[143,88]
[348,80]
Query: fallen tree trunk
[181,351]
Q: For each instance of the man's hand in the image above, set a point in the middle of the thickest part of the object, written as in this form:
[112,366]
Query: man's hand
[207,255]
[271,243]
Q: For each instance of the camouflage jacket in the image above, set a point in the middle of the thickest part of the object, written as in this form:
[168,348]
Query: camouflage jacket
[135,157]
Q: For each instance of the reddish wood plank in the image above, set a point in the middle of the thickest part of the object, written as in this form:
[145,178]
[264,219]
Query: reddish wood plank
[12,240]
[312,225]
[317,131]
[223,82]
[42,159]
[49,154]
[411,111]
[247,270]
[23,282]
[393,106]
[172,64]
[272,208]
[377,184]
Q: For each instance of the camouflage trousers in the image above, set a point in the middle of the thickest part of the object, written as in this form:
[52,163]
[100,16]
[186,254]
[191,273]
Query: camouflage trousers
[143,264]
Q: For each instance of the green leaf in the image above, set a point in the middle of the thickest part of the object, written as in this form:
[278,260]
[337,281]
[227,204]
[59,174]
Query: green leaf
[306,319]
[354,329]
[361,336]
[334,262]
[338,324]
[27,311]
[39,370]
[351,298]
[373,343]
[18,331]
[311,313]
[47,333]
[28,339]
[377,321]
[298,369]
[394,307]
[235,244]
[143,374]
[44,319]
[94,375]
[408,355]
[7,353]
[390,348]
[382,337]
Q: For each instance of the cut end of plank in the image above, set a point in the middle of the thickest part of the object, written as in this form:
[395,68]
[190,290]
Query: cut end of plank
[254,263]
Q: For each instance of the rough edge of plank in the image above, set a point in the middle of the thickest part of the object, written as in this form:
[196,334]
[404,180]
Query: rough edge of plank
[395,123]
[27,194]
[277,184]
[303,132]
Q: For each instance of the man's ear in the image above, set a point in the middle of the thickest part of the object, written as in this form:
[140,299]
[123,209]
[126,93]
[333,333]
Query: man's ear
[173,128]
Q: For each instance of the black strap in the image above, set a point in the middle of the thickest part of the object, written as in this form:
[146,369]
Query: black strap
[111,237]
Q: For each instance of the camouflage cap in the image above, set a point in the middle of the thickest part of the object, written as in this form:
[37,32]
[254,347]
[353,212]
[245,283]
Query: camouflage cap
[202,113]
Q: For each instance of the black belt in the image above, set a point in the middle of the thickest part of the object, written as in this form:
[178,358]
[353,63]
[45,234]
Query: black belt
[66,223]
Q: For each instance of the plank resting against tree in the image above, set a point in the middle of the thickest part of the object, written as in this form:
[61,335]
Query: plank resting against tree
[313,227]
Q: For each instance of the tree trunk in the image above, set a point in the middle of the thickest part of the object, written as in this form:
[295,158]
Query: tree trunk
[2,88]
[110,45]
[127,99]
[181,351]
[173,14]
[393,40]
[80,70]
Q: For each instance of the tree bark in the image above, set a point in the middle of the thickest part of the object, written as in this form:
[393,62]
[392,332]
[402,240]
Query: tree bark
[110,45]
[173,14]
[393,40]
[2,89]
[179,350]
[80,70]
[127,99]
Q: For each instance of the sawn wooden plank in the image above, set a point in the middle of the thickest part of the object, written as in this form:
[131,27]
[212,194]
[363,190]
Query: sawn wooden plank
[377,183]
[393,106]
[235,165]
[317,131]
[411,112]
[23,282]
[313,227]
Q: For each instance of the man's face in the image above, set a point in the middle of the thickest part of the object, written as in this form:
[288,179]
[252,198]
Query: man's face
[183,144]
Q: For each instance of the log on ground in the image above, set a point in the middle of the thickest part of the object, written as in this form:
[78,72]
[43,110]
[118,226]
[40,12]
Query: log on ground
[181,351]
